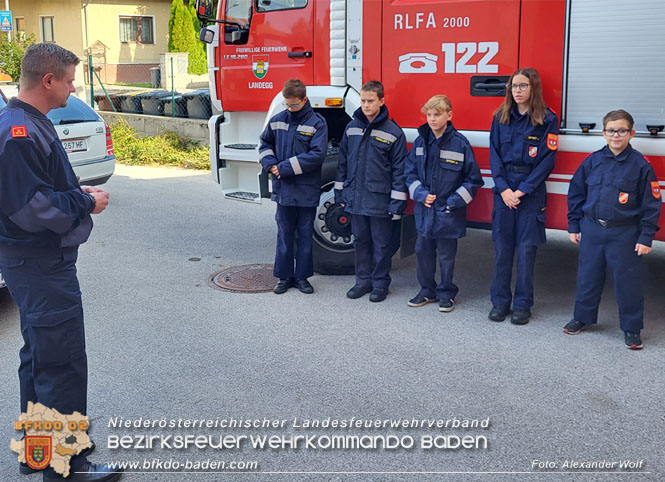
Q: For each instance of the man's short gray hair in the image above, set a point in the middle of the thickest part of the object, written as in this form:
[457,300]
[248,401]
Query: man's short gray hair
[41,59]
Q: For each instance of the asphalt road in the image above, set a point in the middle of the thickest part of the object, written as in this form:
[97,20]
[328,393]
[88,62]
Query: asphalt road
[162,344]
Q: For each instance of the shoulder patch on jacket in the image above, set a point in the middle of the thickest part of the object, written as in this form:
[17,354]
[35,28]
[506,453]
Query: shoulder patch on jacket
[552,142]
[19,131]
[655,189]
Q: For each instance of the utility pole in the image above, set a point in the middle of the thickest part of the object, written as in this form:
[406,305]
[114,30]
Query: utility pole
[9,34]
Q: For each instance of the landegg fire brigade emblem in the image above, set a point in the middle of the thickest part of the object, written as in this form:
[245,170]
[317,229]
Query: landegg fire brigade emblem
[260,65]
[38,451]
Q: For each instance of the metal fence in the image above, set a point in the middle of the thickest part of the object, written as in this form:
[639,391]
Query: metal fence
[159,89]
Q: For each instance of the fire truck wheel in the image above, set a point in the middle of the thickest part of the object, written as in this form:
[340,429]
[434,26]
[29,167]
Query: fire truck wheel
[333,241]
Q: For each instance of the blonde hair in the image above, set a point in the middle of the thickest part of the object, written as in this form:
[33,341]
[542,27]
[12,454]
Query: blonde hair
[439,103]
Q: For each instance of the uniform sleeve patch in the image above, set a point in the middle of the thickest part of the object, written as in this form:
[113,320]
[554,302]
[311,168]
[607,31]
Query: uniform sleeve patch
[655,189]
[552,142]
[19,131]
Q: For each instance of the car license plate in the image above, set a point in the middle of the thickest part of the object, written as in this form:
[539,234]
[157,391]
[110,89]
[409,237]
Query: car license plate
[75,145]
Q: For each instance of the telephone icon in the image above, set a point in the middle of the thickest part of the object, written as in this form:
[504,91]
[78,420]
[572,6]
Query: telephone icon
[418,63]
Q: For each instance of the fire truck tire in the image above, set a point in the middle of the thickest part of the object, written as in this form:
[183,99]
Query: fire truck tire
[329,262]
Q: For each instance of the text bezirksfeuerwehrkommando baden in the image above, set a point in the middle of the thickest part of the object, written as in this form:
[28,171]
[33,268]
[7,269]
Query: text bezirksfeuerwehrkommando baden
[298,423]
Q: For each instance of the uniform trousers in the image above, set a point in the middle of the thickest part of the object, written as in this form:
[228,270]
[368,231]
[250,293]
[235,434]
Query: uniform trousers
[516,233]
[426,254]
[292,219]
[614,248]
[373,250]
[53,366]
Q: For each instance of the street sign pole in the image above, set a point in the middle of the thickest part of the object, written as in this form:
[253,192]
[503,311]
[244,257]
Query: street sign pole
[9,33]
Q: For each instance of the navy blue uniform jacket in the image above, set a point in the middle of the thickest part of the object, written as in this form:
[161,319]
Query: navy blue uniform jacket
[295,142]
[522,155]
[447,168]
[42,207]
[370,174]
[621,188]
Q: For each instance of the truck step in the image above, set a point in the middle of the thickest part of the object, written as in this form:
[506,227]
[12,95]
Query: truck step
[243,195]
[241,146]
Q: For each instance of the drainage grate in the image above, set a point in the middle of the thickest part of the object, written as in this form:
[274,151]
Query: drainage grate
[248,278]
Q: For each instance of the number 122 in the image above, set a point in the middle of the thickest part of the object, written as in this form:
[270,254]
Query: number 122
[469,49]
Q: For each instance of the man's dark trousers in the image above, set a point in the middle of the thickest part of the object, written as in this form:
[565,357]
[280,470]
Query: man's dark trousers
[289,220]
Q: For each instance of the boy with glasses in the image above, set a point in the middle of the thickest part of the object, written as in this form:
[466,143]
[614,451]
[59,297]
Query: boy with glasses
[293,148]
[613,210]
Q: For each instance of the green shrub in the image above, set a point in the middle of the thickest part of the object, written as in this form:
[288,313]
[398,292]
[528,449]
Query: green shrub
[11,54]
[182,38]
[168,149]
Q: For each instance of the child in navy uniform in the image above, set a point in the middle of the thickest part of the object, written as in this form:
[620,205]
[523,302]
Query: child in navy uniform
[370,185]
[442,177]
[293,148]
[613,209]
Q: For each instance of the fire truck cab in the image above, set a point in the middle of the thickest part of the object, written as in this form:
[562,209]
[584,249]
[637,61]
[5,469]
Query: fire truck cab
[593,56]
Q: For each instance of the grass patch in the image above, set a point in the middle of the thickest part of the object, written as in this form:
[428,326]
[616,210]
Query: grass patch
[168,149]
[137,84]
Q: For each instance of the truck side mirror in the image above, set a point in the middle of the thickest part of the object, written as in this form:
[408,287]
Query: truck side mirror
[207,35]
[204,10]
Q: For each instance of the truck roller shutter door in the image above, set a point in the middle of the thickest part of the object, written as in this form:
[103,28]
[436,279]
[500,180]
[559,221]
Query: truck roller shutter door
[616,60]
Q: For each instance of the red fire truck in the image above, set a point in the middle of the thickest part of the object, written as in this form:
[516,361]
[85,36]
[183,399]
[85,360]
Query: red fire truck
[593,56]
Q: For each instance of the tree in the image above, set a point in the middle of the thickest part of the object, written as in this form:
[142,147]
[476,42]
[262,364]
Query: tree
[197,25]
[182,38]
[11,55]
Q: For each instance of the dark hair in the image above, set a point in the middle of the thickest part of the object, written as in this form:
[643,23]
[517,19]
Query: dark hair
[619,114]
[373,86]
[537,107]
[41,59]
[294,88]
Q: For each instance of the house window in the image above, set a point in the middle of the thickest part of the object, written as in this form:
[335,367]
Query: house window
[19,23]
[136,29]
[48,29]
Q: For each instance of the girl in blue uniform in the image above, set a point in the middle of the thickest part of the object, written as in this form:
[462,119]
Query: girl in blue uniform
[523,144]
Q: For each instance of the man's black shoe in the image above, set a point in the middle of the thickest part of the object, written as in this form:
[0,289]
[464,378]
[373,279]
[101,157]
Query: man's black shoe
[283,286]
[498,313]
[420,300]
[358,291]
[520,317]
[25,469]
[573,327]
[304,286]
[378,295]
[633,341]
[446,306]
[88,472]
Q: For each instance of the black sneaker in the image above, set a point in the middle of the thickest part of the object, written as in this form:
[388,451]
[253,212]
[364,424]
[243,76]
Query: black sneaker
[358,291]
[283,286]
[573,327]
[420,300]
[498,313]
[378,295]
[446,306]
[633,341]
[520,317]
[304,286]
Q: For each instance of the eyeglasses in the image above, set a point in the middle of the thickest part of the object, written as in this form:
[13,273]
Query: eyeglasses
[520,87]
[621,132]
[292,106]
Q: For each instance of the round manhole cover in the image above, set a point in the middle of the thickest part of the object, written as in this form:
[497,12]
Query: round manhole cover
[248,278]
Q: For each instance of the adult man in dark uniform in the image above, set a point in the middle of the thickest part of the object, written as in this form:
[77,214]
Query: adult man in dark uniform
[44,217]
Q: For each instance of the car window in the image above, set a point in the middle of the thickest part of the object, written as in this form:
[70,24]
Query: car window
[75,112]
[2,102]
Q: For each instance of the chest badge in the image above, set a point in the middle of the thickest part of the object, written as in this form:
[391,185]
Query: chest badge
[623,197]
[655,189]
[19,131]
[533,151]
